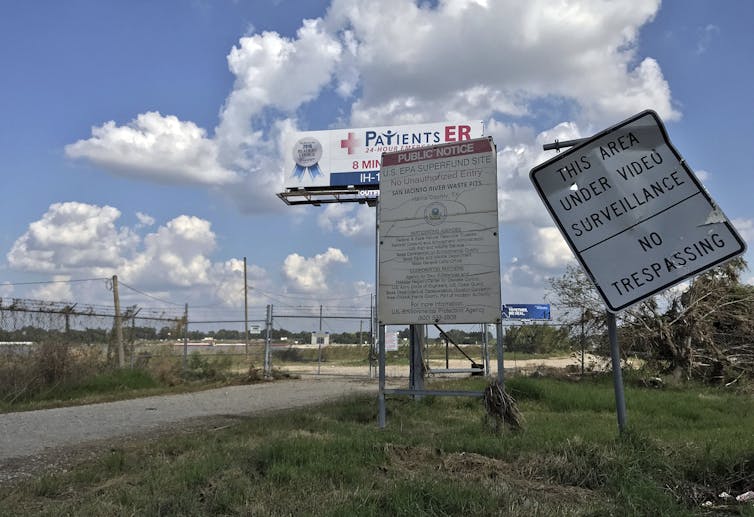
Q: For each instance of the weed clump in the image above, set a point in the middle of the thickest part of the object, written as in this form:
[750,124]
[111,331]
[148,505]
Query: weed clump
[501,407]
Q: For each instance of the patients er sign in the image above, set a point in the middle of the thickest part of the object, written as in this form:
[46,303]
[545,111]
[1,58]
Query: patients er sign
[343,157]
[439,257]
[633,212]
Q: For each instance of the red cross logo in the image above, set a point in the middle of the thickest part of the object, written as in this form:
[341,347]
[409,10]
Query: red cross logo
[349,143]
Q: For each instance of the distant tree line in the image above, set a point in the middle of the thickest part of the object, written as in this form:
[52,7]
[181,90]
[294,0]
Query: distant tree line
[526,338]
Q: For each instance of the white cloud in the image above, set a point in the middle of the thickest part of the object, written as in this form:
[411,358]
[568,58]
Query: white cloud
[508,52]
[176,254]
[145,219]
[702,175]
[518,202]
[72,236]
[350,220]
[363,289]
[58,291]
[273,71]
[227,281]
[399,62]
[520,283]
[157,148]
[85,240]
[705,35]
[549,249]
[6,290]
[310,274]
[745,227]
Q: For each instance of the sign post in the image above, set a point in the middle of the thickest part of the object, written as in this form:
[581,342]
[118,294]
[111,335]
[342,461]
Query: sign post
[635,215]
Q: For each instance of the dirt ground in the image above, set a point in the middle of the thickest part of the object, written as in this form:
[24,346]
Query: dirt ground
[396,372]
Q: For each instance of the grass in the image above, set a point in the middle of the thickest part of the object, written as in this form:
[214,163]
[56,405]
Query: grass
[437,456]
[164,376]
[80,375]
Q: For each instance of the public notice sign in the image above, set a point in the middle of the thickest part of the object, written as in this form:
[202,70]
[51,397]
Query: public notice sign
[439,255]
[633,212]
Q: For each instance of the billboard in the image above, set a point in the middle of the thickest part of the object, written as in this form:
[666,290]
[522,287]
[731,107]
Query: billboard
[439,254]
[343,157]
[526,311]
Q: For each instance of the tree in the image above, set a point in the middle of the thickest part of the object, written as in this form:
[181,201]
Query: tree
[536,339]
[705,331]
[581,308]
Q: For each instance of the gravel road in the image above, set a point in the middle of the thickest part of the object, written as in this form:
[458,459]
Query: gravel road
[33,441]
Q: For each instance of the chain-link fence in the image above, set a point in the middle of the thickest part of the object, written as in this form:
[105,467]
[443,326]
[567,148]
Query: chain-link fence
[46,345]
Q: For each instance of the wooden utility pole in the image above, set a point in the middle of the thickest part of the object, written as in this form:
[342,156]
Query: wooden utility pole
[67,310]
[245,309]
[185,337]
[118,325]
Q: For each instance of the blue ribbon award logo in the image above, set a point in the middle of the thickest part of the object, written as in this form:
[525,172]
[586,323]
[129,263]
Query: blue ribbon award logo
[307,153]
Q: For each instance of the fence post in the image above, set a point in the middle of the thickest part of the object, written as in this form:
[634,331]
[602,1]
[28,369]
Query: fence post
[500,359]
[373,352]
[267,365]
[245,309]
[319,343]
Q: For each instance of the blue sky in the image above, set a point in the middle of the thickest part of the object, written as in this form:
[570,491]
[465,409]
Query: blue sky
[142,138]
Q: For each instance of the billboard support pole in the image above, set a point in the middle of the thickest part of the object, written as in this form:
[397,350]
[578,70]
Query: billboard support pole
[620,401]
[381,395]
[416,343]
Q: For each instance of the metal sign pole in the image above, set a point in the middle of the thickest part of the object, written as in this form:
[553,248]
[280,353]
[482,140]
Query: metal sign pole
[620,401]
[381,396]
[485,342]
[268,320]
[320,339]
[416,343]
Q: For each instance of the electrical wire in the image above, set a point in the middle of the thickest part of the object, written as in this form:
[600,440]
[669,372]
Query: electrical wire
[168,302]
[306,295]
[71,281]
